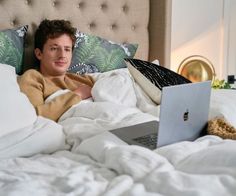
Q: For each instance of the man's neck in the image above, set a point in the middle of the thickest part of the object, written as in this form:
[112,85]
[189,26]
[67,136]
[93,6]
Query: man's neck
[61,77]
[50,76]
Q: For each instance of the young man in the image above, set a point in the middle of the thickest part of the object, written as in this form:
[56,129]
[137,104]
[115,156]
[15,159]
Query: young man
[54,42]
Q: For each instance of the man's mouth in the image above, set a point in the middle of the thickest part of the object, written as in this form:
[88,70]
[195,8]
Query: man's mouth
[61,63]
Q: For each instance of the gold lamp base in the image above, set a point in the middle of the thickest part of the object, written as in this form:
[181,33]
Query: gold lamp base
[197,68]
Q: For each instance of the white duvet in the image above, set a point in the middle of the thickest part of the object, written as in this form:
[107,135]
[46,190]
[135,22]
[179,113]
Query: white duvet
[99,163]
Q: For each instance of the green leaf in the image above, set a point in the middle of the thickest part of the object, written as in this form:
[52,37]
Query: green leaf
[220,84]
[9,54]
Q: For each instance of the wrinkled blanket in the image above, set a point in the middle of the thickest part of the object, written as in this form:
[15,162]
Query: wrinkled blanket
[99,163]
[116,102]
[205,167]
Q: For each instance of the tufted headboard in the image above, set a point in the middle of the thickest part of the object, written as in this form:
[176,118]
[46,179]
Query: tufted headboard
[145,22]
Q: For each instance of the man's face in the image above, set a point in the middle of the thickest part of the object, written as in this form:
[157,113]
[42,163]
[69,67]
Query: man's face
[55,58]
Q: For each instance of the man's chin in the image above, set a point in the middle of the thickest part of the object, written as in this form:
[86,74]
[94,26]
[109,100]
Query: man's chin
[61,69]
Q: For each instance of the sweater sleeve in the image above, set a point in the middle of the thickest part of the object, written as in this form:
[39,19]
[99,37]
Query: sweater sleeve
[32,84]
[57,106]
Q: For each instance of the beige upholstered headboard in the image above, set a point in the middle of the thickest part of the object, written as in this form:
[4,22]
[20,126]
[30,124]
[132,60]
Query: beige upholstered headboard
[134,21]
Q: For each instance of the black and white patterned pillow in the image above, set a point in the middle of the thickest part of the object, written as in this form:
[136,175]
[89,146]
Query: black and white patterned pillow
[82,68]
[152,78]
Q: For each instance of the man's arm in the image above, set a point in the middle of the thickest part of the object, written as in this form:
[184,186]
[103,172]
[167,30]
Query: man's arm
[57,106]
[32,84]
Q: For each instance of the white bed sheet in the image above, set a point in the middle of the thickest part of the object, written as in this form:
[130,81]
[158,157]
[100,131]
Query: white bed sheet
[99,163]
[207,168]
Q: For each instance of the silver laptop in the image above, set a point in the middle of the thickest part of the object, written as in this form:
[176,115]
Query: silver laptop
[183,116]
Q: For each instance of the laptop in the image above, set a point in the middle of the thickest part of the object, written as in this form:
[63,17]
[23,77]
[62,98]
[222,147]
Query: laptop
[183,116]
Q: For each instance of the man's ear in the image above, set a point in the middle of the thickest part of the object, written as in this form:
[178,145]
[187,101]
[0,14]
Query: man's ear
[38,53]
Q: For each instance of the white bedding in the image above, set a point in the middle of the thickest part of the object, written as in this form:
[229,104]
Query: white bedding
[99,163]
[114,105]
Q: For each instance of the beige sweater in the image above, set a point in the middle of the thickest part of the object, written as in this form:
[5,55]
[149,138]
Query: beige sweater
[38,88]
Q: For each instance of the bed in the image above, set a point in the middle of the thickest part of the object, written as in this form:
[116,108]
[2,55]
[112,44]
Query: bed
[77,155]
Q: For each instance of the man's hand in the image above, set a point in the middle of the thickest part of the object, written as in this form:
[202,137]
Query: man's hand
[84,91]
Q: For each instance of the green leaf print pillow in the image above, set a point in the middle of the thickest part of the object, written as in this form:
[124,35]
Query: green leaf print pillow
[12,47]
[95,54]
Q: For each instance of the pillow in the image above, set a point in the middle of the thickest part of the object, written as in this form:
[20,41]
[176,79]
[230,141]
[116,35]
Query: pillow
[12,47]
[16,111]
[95,54]
[152,78]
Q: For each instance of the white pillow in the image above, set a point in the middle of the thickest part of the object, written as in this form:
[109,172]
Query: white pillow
[16,111]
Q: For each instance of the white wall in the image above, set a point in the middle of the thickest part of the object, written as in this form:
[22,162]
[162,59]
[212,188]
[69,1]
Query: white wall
[197,29]
[230,37]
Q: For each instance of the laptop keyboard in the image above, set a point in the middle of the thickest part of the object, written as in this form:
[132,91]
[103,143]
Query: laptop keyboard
[148,140]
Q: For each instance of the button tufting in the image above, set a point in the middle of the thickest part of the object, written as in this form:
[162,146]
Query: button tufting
[125,8]
[91,25]
[80,4]
[54,3]
[26,2]
[13,22]
[113,26]
[103,6]
[133,27]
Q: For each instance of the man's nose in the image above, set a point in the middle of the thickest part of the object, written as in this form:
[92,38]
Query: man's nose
[61,52]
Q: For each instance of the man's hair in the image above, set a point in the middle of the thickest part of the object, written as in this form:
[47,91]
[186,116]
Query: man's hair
[49,29]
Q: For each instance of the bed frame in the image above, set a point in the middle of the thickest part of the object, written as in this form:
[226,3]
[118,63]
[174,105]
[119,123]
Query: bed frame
[145,22]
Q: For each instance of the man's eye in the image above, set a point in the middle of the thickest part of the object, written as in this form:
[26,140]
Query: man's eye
[67,49]
[53,48]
